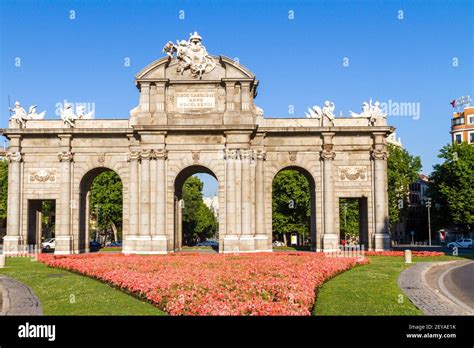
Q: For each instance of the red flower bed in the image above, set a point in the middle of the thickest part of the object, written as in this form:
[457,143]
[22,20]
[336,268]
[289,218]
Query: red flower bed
[196,284]
[402,253]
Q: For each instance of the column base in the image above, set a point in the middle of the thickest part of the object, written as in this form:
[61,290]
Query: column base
[382,242]
[245,244]
[63,245]
[330,243]
[145,245]
[11,245]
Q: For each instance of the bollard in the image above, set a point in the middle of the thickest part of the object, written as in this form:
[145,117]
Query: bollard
[407,256]
[2,260]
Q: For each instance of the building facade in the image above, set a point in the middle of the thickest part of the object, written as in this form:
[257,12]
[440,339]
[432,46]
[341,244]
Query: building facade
[462,126]
[196,114]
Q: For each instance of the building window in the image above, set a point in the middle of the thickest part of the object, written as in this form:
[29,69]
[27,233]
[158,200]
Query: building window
[471,137]
[414,198]
[471,119]
[458,138]
[458,121]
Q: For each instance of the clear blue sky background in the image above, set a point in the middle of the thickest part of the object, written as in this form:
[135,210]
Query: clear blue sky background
[298,62]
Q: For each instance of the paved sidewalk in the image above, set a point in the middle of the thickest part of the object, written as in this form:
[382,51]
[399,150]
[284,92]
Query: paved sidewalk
[17,298]
[431,301]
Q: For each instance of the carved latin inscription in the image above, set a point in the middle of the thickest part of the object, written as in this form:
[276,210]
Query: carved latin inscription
[195,100]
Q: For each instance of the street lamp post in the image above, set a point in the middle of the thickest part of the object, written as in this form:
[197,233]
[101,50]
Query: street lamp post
[428,205]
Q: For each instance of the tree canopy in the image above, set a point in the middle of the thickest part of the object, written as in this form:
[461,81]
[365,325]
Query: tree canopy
[349,218]
[452,187]
[199,221]
[106,194]
[291,203]
[402,170]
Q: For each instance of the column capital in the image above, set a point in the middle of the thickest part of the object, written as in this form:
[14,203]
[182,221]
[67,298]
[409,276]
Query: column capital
[14,156]
[231,154]
[65,156]
[247,155]
[379,153]
[160,154]
[133,156]
[261,155]
[146,154]
[328,152]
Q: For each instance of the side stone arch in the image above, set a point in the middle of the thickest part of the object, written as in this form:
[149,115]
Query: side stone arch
[308,164]
[84,173]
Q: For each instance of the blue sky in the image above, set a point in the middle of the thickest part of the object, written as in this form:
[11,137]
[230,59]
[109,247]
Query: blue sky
[298,61]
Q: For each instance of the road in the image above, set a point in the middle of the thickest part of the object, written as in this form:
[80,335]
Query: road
[459,281]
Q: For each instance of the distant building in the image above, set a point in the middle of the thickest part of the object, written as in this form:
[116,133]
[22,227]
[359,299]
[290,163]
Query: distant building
[462,126]
[213,204]
[416,218]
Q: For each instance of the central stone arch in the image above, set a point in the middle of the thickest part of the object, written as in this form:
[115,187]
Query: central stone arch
[180,179]
[197,110]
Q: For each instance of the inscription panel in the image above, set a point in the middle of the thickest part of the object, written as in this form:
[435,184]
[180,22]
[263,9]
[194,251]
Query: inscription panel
[195,100]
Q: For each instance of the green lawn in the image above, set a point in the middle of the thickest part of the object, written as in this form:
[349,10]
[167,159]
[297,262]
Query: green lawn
[109,249]
[370,289]
[66,293]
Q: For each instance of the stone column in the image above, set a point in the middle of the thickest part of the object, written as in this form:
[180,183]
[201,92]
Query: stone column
[145,96]
[238,192]
[261,239]
[145,194]
[230,238]
[130,240]
[11,241]
[330,237]
[160,240]
[86,222]
[260,194]
[229,87]
[63,233]
[246,239]
[379,156]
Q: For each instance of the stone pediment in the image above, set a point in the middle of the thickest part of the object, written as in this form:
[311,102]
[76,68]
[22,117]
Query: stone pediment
[166,68]
[190,86]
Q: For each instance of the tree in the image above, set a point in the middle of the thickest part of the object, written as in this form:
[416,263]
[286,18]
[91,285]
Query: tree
[452,186]
[402,170]
[199,221]
[3,189]
[106,193]
[291,204]
[349,218]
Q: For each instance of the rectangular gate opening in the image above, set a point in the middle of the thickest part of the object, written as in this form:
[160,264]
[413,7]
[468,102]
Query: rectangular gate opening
[41,224]
[353,221]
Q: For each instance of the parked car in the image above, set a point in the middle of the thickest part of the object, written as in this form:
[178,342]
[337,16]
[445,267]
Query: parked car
[114,244]
[94,246]
[461,244]
[277,243]
[48,244]
[211,243]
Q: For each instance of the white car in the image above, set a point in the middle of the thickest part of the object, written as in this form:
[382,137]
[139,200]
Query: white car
[461,244]
[277,243]
[49,244]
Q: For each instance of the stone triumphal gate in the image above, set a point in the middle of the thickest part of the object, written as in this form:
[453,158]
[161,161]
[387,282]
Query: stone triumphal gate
[196,113]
